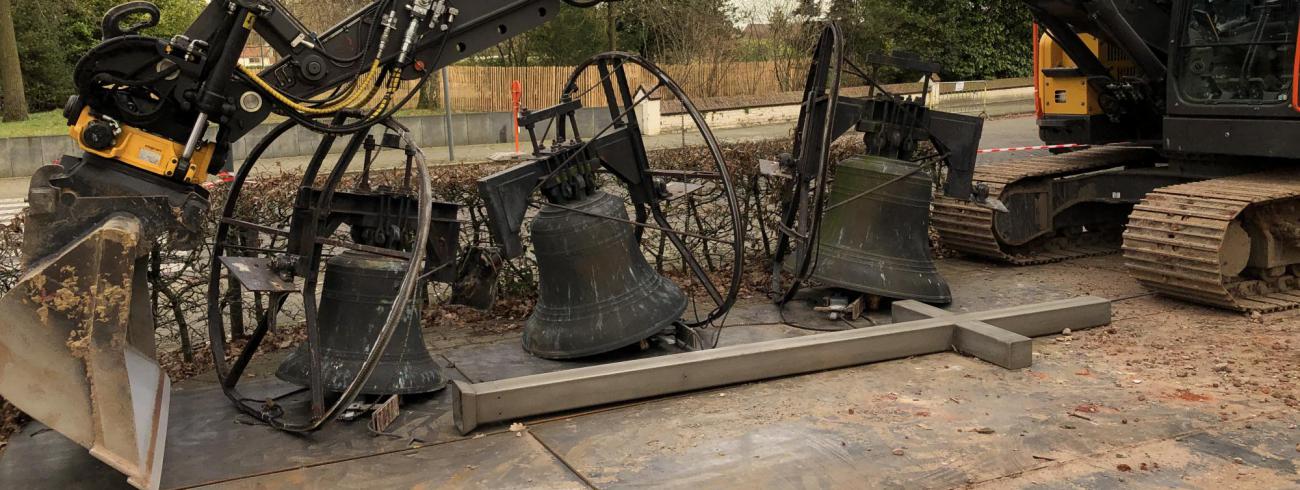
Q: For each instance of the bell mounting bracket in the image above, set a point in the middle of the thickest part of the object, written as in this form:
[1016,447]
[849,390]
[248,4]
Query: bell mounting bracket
[892,126]
[567,170]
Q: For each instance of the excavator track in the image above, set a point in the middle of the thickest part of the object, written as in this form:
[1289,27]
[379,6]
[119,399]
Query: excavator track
[969,228]
[1181,238]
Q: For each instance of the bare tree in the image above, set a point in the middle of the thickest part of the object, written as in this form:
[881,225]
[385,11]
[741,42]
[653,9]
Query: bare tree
[319,15]
[696,35]
[11,75]
[791,30]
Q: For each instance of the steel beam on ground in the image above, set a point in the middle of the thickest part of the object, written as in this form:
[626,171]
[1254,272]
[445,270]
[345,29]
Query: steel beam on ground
[997,333]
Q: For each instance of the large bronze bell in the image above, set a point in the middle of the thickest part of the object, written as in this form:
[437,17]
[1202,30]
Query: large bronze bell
[879,243]
[596,292]
[355,302]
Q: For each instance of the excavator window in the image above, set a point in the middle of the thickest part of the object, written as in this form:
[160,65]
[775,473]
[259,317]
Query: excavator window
[1239,52]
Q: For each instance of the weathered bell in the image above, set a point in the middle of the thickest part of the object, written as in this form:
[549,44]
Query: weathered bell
[354,304]
[879,243]
[596,292]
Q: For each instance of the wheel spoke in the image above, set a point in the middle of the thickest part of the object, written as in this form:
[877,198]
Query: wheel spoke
[693,228]
[688,257]
[310,268]
[256,227]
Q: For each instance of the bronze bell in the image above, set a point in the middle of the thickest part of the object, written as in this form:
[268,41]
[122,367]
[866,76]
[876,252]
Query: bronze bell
[355,302]
[596,292]
[880,243]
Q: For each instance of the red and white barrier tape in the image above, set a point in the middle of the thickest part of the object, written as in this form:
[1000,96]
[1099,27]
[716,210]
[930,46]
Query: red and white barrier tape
[1031,148]
[223,177]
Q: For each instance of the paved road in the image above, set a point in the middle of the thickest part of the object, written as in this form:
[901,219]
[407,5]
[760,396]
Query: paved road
[9,208]
[1010,133]
[1005,132]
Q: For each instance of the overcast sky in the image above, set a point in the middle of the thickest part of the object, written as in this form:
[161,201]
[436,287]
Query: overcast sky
[758,8]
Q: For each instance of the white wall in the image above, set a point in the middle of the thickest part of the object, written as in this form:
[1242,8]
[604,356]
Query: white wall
[988,103]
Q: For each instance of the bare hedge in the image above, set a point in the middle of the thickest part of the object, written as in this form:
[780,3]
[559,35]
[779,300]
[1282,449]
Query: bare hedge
[180,279]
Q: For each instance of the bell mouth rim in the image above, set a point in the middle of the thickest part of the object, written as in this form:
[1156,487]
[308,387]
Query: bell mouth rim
[285,373]
[941,299]
[606,347]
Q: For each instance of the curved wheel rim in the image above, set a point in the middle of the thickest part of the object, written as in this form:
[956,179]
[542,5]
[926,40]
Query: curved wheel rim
[802,212]
[726,295]
[402,298]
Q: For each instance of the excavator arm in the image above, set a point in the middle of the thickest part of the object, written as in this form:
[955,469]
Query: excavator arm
[168,92]
[76,334]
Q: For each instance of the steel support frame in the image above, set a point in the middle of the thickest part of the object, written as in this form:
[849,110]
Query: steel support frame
[999,336]
[1052,202]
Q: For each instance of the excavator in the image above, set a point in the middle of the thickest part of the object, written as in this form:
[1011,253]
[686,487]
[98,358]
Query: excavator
[154,117]
[1191,109]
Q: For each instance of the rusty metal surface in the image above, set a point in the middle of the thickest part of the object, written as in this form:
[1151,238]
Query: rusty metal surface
[211,423]
[495,461]
[209,442]
[40,458]
[788,433]
[834,429]
[1200,460]
[969,228]
[1178,236]
[794,432]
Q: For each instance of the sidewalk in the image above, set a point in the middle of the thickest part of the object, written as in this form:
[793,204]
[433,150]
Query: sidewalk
[16,188]
[1018,131]
[9,208]
[481,153]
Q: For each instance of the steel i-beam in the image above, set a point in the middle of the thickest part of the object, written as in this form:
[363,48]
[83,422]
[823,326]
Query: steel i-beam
[999,336]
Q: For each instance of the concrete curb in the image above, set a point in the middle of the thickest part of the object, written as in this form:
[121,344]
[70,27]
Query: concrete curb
[20,157]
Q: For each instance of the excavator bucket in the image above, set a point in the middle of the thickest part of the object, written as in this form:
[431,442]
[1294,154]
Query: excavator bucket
[77,349]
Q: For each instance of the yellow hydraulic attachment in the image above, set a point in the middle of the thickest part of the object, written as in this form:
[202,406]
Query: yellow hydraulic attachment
[137,148]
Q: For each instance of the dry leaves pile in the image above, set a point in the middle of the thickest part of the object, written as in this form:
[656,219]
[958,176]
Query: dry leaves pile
[180,282]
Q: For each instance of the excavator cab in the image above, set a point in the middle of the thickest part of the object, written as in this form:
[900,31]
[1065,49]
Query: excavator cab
[1191,104]
[1237,53]
[1232,78]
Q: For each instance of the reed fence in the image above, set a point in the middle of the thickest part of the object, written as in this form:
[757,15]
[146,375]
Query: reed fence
[488,88]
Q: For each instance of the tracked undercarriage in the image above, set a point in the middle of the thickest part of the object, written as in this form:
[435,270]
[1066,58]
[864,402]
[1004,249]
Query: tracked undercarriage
[1230,242]
[1055,211]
